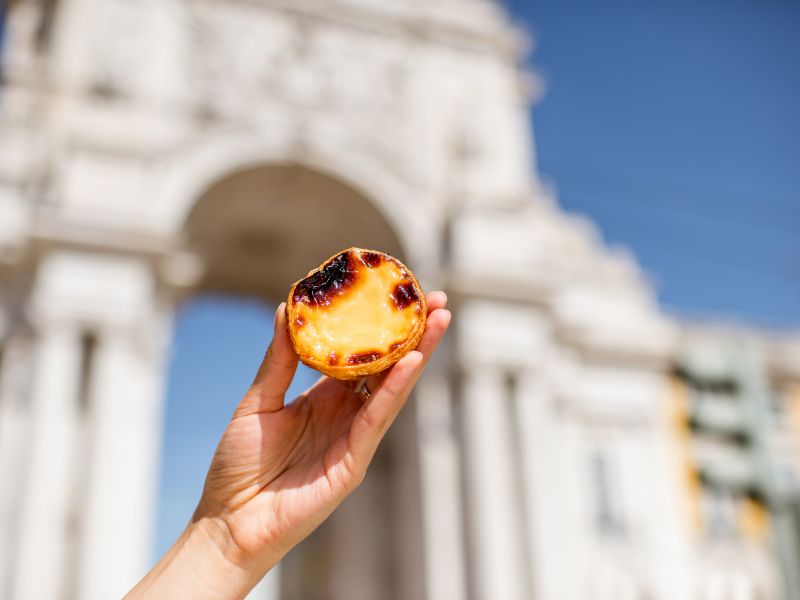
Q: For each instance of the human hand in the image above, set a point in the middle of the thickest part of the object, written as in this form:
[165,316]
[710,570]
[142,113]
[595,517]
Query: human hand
[279,471]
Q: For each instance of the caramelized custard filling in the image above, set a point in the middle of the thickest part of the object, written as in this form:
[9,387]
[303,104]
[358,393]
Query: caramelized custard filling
[356,309]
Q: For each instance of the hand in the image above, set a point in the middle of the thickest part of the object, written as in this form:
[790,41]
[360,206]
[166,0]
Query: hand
[279,471]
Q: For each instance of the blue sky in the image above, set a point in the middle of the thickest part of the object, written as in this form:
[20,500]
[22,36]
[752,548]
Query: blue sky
[674,126]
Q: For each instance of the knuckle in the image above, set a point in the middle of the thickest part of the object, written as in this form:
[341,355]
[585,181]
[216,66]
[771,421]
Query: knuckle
[373,421]
[357,479]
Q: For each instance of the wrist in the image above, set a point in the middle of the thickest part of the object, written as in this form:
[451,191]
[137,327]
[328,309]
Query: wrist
[212,556]
[203,564]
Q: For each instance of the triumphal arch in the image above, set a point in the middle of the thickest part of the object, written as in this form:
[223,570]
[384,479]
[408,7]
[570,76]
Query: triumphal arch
[157,149]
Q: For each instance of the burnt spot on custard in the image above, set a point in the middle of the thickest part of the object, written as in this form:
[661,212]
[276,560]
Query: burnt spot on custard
[333,359]
[299,321]
[320,287]
[371,259]
[404,294]
[394,346]
[364,357]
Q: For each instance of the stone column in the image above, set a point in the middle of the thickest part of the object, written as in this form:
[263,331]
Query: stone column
[440,474]
[497,568]
[125,400]
[46,522]
[535,429]
[406,507]
[88,502]
[15,422]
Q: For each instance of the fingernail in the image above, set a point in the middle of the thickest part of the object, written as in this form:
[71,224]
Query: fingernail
[281,307]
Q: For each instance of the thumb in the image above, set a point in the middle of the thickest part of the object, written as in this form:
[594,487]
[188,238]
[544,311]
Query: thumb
[274,376]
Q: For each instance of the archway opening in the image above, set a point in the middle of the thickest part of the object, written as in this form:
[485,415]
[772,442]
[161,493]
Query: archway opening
[256,231]
[260,229]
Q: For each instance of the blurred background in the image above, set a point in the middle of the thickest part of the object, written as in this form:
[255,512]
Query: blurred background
[616,412]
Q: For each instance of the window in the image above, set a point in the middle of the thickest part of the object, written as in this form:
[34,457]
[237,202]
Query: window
[607,506]
[719,507]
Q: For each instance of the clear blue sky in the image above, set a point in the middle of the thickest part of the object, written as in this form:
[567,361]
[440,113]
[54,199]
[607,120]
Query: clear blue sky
[675,126]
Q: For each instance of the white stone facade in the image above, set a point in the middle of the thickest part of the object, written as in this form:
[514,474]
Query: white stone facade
[154,149]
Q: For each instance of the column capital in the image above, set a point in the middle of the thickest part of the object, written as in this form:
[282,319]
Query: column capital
[87,287]
[180,272]
[503,335]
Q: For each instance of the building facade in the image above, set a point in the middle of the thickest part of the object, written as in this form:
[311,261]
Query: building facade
[561,446]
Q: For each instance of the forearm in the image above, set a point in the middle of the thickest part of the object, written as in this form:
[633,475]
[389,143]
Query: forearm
[199,566]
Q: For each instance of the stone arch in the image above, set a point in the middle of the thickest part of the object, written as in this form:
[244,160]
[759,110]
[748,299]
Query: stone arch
[260,228]
[181,182]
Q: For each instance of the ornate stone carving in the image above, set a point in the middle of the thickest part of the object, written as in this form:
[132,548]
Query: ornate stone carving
[118,47]
[249,61]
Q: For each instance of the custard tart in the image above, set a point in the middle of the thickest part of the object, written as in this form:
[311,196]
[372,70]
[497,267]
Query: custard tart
[356,314]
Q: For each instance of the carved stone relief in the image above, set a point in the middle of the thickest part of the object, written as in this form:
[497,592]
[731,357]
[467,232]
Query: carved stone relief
[327,79]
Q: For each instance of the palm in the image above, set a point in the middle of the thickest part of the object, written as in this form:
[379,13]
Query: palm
[279,470]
